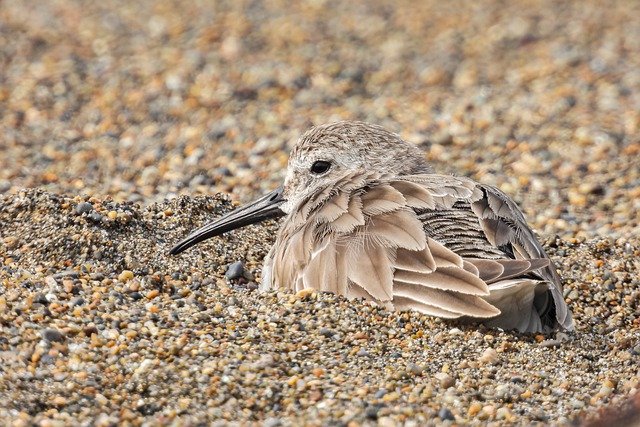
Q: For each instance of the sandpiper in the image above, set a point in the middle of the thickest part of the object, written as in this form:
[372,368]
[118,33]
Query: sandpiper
[367,217]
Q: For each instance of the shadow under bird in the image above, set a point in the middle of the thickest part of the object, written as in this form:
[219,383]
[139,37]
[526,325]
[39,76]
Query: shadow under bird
[366,217]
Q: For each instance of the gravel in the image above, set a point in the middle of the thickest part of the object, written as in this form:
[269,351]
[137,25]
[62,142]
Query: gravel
[125,125]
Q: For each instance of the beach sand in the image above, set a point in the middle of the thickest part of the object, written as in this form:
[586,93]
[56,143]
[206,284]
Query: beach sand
[125,125]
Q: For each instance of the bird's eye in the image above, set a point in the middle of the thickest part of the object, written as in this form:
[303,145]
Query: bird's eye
[320,166]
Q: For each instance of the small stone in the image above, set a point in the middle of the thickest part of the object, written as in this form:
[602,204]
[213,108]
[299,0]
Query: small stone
[380,393]
[386,422]
[53,335]
[503,414]
[445,415]
[326,332]
[390,397]
[414,369]
[125,275]
[446,380]
[550,343]
[59,401]
[305,293]
[489,410]
[84,207]
[235,271]
[95,217]
[371,412]
[272,422]
[474,409]
[577,404]
[489,356]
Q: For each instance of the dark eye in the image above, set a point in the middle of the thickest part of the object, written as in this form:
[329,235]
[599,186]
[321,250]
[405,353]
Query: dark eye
[320,166]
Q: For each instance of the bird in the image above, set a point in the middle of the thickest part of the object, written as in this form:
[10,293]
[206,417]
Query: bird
[366,216]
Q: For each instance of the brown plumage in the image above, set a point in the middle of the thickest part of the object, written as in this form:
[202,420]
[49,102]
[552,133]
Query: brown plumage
[367,218]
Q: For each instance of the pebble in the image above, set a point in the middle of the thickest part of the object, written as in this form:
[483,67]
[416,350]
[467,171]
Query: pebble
[235,271]
[53,335]
[445,415]
[445,380]
[84,207]
[489,356]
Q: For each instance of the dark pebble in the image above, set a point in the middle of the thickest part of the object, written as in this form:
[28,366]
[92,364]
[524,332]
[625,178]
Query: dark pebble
[326,332]
[136,296]
[380,393]
[95,217]
[66,274]
[47,359]
[53,335]
[445,415]
[235,271]
[97,276]
[84,207]
[371,412]
[40,299]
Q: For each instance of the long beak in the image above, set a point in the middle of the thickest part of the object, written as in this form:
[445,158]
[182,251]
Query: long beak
[262,209]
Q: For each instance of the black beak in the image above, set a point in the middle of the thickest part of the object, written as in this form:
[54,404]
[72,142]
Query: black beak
[262,209]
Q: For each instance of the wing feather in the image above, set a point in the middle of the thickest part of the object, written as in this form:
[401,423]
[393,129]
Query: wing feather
[371,268]
[381,199]
[466,305]
[418,261]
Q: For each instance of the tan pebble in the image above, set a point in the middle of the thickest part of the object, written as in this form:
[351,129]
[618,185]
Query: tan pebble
[504,414]
[474,409]
[489,356]
[184,403]
[127,414]
[318,372]
[490,410]
[11,242]
[134,286]
[527,394]
[59,401]
[67,284]
[153,293]
[446,380]
[125,275]
[360,336]
[112,215]
[390,397]
[305,293]
[101,399]
[292,381]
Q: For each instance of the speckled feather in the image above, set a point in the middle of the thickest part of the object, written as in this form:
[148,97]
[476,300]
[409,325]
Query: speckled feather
[381,225]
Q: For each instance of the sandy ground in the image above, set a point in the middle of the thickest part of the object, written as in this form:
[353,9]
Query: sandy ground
[125,119]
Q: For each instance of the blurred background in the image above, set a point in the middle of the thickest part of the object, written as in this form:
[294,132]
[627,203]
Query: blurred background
[147,100]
